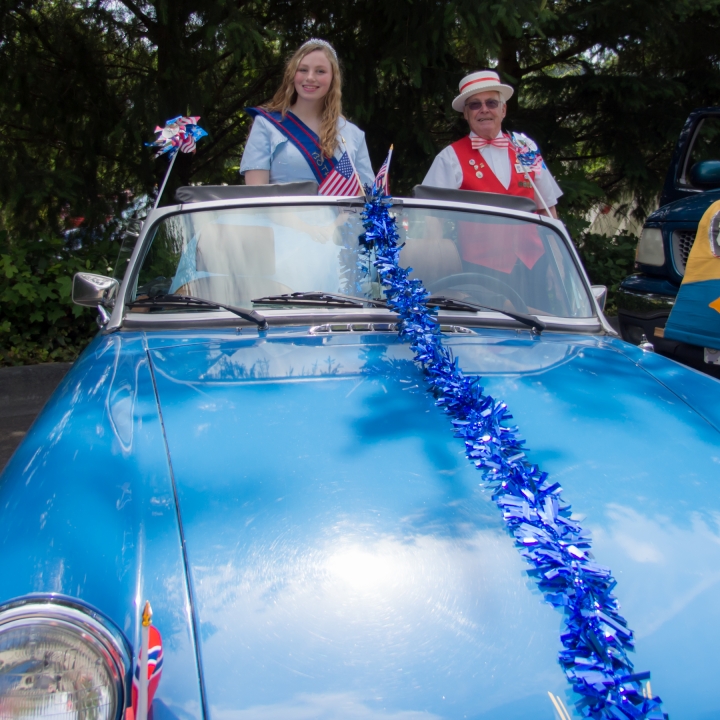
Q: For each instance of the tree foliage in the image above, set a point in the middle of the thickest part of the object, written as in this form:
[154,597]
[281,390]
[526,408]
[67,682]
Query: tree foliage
[38,322]
[603,86]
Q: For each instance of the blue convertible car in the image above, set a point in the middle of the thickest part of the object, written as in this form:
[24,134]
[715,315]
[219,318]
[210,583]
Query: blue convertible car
[249,445]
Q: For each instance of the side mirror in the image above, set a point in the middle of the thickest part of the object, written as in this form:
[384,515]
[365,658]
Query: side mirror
[90,290]
[705,173]
[600,294]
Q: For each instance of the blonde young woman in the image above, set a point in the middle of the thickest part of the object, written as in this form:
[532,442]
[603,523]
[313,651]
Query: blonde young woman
[301,134]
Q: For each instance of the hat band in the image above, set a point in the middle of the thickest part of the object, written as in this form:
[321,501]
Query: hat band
[495,80]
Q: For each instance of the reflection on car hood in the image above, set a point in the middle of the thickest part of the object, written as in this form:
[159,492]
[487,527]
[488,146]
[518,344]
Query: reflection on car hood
[346,563]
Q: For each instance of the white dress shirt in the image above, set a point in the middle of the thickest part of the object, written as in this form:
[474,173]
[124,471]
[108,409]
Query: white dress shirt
[446,172]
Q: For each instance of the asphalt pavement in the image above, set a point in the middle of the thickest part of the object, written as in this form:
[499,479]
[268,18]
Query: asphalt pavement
[23,393]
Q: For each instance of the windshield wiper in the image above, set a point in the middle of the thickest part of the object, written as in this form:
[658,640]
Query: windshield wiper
[446,303]
[190,301]
[317,297]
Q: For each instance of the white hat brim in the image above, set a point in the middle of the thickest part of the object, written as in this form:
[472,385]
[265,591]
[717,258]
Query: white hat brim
[506,92]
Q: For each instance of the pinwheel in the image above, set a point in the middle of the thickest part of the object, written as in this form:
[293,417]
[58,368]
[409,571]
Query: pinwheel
[180,133]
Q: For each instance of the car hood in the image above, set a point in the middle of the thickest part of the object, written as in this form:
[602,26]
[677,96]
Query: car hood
[345,562]
[687,209]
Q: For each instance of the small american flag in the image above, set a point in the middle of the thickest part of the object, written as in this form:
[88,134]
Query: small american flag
[343,180]
[382,178]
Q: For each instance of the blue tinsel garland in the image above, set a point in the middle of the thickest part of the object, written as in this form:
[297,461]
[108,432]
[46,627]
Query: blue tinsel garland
[596,639]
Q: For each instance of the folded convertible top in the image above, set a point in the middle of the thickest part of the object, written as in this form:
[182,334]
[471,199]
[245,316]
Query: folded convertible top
[205,193]
[512,202]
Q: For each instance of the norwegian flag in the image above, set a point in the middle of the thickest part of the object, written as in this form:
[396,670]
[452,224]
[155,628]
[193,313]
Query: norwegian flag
[155,663]
[382,180]
[343,180]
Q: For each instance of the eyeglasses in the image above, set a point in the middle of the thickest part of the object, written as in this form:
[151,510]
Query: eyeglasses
[477,104]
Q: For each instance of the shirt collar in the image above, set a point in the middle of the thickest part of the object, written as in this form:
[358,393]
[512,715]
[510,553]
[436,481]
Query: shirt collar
[474,134]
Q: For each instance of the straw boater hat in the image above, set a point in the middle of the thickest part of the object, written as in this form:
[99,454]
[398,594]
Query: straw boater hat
[477,82]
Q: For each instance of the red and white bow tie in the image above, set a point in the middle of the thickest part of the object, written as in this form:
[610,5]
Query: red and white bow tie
[479,143]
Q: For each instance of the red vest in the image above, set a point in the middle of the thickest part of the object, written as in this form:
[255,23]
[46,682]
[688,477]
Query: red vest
[488,182]
[509,241]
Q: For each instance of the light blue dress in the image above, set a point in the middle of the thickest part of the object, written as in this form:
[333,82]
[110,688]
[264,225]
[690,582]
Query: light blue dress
[268,149]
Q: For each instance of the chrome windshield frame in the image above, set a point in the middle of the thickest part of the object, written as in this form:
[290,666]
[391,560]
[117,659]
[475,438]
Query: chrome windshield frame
[156,216]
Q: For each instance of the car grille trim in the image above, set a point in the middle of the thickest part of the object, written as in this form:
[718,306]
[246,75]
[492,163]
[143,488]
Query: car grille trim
[682,242]
[378,327]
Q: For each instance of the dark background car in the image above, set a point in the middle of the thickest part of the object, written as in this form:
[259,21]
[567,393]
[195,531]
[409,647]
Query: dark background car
[692,184]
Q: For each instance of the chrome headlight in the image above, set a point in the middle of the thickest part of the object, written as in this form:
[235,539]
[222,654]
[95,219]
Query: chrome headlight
[60,661]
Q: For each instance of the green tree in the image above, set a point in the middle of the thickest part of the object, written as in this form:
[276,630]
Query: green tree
[88,80]
[602,85]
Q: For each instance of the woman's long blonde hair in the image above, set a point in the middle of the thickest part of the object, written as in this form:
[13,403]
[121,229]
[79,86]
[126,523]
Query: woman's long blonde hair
[286,96]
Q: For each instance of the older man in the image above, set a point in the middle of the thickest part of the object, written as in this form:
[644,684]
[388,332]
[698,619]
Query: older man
[487,159]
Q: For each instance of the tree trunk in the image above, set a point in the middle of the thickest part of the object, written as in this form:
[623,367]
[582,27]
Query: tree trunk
[176,78]
[509,68]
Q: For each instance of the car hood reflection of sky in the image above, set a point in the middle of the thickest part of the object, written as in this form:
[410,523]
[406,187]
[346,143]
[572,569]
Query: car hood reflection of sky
[347,564]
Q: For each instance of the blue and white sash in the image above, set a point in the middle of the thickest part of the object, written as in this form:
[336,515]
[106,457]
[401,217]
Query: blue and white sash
[302,137]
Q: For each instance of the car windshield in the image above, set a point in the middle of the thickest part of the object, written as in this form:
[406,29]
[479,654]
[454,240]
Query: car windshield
[236,256]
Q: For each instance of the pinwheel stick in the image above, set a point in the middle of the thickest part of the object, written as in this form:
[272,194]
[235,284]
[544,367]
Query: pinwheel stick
[165,179]
[179,135]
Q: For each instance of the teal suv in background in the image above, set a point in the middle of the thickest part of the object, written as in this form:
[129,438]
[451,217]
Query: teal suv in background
[692,184]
